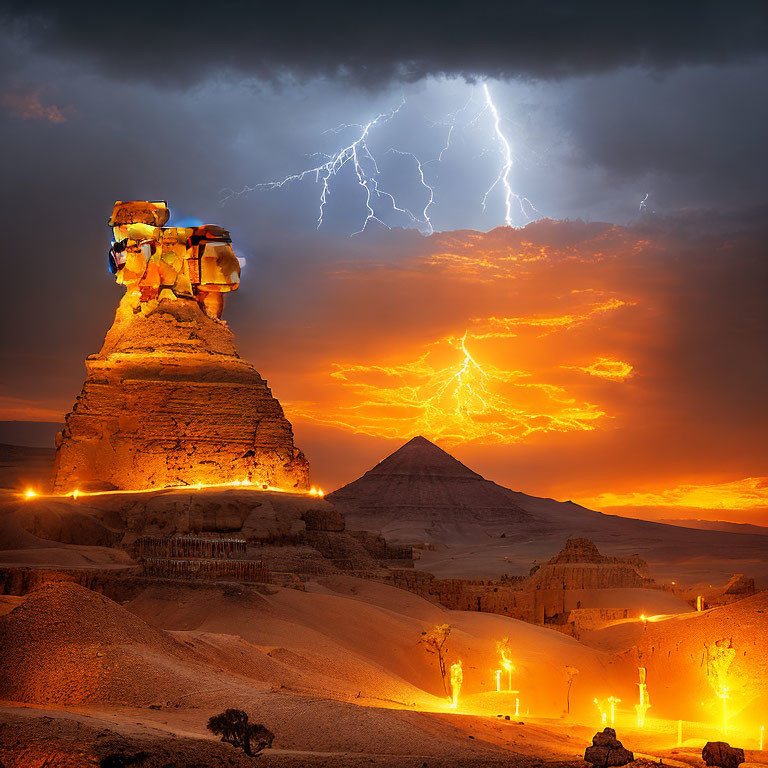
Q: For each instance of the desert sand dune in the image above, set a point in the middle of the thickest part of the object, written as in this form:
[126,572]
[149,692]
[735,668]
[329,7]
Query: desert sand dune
[67,646]
[373,649]
[338,669]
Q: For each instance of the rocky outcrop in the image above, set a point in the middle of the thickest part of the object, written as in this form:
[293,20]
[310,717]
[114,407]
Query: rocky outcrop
[579,565]
[556,594]
[740,585]
[722,754]
[380,549]
[168,401]
[607,750]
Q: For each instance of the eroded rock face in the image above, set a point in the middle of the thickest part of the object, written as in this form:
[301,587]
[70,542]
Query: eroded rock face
[607,750]
[579,565]
[168,401]
[722,754]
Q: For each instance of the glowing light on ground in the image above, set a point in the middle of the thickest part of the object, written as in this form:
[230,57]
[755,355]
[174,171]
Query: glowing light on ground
[720,656]
[503,649]
[457,677]
[603,713]
[644,703]
[699,603]
[613,701]
[246,484]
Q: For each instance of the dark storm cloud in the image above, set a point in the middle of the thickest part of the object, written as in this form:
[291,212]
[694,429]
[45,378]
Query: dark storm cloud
[183,43]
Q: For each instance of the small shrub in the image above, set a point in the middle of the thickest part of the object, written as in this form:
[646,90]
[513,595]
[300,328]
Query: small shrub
[233,727]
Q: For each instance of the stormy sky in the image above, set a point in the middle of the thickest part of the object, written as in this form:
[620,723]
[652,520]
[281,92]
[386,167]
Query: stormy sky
[644,123]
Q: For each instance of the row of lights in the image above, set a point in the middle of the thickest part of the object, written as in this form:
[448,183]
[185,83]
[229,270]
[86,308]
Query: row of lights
[31,493]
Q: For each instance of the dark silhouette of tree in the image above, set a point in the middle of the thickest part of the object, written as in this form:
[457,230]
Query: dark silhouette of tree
[233,727]
[434,642]
[570,673]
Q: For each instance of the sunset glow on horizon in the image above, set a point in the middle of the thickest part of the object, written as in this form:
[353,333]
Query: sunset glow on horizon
[563,359]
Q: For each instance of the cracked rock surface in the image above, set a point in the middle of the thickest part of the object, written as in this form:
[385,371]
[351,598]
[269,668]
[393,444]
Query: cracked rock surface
[168,401]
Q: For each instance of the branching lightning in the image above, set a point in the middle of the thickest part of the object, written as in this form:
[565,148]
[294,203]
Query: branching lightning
[358,157]
[454,400]
[503,175]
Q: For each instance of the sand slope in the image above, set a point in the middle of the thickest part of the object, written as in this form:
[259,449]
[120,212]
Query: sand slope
[67,644]
[675,650]
[359,640]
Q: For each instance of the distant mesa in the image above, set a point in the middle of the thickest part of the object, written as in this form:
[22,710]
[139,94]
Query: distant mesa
[168,400]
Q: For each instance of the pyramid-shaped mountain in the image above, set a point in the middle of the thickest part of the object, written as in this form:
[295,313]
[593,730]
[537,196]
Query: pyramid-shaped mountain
[480,529]
[421,493]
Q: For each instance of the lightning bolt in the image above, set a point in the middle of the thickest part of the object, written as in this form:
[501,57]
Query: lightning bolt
[358,157]
[644,203]
[503,175]
[456,401]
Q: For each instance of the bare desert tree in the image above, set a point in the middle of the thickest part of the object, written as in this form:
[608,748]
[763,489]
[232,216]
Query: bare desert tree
[434,641]
[233,727]
[570,673]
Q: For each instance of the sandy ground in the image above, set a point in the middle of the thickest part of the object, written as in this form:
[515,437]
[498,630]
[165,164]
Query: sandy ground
[338,675]
[337,672]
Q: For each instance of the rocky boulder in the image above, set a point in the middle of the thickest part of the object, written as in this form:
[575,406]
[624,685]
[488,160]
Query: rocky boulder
[607,750]
[722,754]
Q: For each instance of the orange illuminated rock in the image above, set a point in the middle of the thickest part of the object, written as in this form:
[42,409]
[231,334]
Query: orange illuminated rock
[168,401]
[156,262]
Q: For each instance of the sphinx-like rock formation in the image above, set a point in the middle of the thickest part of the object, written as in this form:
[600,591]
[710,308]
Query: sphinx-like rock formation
[168,401]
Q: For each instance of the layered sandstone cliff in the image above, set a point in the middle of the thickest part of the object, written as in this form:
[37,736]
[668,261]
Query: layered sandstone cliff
[168,401]
[579,565]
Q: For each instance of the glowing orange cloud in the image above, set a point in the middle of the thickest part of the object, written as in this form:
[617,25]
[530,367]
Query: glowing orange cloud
[751,493]
[605,368]
[501,327]
[459,400]
[618,366]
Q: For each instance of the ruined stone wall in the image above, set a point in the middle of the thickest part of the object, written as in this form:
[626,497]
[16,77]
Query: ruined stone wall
[380,549]
[584,619]
[466,595]
[545,597]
